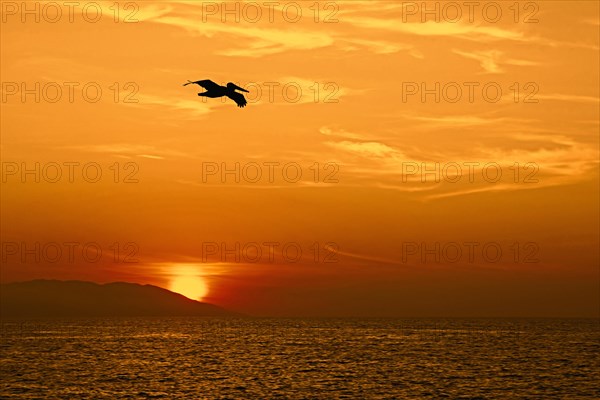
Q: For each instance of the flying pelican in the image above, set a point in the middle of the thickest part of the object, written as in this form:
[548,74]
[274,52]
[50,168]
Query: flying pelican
[213,90]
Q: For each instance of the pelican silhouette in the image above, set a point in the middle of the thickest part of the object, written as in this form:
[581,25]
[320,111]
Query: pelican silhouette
[213,90]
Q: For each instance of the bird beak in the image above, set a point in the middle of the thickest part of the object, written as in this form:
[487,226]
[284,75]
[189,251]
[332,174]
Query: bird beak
[239,88]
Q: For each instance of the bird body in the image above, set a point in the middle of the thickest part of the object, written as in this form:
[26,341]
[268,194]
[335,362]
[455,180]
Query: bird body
[214,90]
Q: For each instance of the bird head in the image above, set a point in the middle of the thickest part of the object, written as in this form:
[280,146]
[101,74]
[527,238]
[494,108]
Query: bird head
[232,86]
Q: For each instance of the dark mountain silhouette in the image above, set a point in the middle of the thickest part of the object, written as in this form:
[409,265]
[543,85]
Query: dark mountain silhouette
[51,298]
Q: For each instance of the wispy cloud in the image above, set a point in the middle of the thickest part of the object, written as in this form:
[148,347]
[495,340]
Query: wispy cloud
[460,120]
[377,46]
[128,150]
[327,131]
[260,41]
[569,97]
[461,30]
[590,21]
[560,160]
[490,60]
[431,28]
[257,40]
[315,90]
[366,149]
[193,107]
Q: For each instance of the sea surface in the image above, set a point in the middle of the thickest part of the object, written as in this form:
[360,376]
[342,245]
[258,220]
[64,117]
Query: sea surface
[212,358]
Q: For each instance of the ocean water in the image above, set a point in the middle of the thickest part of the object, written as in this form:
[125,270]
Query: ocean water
[209,358]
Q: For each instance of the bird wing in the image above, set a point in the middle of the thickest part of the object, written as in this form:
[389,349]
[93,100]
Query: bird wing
[239,99]
[206,84]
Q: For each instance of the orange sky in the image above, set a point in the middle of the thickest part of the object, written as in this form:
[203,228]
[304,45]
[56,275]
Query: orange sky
[361,120]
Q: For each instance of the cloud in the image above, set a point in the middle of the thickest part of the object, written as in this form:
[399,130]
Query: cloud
[589,21]
[490,60]
[339,133]
[128,150]
[569,97]
[431,28]
[363,257]
[460,30]
[315,90]
[150,156]
[261,41]
[546,159]
[365,149]
[194,107]
[258,39]
[460,120]
[378,46]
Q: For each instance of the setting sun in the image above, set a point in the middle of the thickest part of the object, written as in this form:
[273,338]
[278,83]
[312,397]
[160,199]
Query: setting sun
[188,282]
